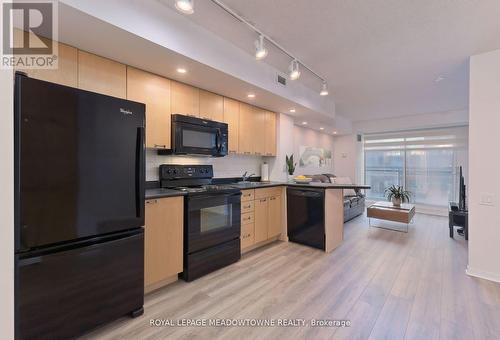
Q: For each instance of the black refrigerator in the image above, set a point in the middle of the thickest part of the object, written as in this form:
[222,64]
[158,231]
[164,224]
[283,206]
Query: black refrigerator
[79,209]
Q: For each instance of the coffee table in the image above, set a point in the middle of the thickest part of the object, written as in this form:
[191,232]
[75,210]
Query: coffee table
[387,211]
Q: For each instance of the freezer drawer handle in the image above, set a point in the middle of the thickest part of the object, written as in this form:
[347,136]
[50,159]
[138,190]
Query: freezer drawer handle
[30,261]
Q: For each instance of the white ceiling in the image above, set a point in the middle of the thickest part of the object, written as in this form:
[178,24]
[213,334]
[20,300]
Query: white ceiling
[380,57]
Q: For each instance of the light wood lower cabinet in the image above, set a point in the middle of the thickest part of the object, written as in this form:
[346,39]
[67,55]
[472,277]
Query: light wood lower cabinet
[163,245]
[261,219]
[275,216]
[154,91]
[262,216]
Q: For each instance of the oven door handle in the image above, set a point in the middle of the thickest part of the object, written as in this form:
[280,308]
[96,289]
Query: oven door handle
[218,145]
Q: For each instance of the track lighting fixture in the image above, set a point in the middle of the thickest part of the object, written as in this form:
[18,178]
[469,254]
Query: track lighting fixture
[260,49]
[324,89]
[185,6]
[294,70]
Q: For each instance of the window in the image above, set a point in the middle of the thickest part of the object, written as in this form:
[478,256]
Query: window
[424,162]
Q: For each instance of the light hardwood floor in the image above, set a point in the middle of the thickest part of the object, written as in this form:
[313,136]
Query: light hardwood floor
[390,285]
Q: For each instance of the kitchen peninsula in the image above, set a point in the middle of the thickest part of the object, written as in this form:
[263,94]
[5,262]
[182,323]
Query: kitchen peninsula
[331,198]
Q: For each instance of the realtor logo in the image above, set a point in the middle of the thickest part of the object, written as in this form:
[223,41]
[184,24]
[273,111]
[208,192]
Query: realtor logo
[29,34]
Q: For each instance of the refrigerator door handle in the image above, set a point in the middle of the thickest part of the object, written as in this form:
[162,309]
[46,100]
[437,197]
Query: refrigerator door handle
[139,180]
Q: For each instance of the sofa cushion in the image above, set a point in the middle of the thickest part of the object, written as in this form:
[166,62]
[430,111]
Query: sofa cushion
[354,200]
[319,178]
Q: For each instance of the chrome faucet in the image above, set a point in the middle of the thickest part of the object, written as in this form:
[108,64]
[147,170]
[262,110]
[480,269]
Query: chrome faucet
[245,177]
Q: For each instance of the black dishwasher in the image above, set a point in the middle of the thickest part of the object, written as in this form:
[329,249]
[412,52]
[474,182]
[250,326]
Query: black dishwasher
[306,216]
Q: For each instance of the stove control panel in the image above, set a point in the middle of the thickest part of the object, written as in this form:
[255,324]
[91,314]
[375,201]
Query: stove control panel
[174,171]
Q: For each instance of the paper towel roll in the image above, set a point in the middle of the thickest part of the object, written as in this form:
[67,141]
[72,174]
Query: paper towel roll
[264,172]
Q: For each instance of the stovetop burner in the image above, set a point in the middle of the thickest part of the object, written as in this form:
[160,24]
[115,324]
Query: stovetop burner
[192,179]
[207,188]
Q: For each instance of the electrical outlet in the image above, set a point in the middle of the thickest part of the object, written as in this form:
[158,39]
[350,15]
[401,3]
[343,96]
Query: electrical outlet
[487,199]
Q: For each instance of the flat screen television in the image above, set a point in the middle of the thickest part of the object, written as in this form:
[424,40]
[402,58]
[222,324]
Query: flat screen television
[461,191]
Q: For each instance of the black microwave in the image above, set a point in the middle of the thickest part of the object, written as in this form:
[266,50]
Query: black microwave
[196,136]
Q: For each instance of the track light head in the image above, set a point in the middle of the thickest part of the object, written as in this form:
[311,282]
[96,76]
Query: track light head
[294,70]
[324,89]
[260,49]
[185,6]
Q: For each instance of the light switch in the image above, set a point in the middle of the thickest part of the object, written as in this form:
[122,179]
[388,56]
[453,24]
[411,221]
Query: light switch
[487,199]
[344,155]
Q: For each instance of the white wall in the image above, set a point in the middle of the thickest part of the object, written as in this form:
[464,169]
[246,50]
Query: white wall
[6,207]
[309,137]
[346,156]
[484,165]
[284,133]
[412,122]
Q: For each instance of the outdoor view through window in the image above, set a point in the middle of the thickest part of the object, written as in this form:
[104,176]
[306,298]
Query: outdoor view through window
[424,162]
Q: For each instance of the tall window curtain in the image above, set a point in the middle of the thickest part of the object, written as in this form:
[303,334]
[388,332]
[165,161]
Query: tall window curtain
[424,162]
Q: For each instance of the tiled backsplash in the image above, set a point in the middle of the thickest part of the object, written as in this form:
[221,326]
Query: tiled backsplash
[229,166]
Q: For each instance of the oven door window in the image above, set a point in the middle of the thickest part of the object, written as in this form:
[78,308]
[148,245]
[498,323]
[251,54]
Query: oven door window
[198,139]
[214,218]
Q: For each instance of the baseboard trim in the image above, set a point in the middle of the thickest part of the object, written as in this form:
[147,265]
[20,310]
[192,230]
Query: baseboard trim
[482,274]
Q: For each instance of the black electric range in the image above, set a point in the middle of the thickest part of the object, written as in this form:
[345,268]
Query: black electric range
[212,220]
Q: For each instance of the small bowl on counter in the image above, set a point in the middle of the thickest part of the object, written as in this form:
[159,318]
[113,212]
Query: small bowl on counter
[306,180]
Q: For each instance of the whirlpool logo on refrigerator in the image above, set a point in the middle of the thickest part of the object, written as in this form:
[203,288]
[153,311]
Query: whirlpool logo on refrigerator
[126,112]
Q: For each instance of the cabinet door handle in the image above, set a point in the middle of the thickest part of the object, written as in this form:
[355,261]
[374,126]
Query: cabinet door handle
[263,199]
[151,201]
[272,198]
[163,146]
[257,153]
[247,152]
[247,206]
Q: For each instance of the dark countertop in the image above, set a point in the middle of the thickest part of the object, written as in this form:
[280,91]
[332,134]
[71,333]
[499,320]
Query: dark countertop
[257,185]
[160,193]
[329,185]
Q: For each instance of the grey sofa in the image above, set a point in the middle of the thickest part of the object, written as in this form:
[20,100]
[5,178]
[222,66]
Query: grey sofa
[354,205]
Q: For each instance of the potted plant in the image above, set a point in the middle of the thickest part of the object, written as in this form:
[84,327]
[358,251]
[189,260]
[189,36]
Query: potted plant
[397,195]
[290,166]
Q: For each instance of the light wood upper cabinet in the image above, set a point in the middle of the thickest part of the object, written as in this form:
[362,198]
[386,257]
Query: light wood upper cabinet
[259,132]
[66,72]
[274,216]
[163,244]
[232,119]
[261,208]
[246,129]
[211,106]
[185,99]
[101,75]
[270,148]
[154,91]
